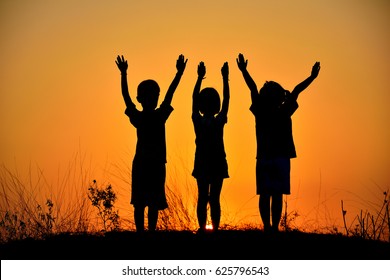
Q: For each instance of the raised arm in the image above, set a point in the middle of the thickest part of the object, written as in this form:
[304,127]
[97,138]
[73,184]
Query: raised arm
[180,66]
[198,84]
[303,85]
[122,66]
[242,65]
[226,89]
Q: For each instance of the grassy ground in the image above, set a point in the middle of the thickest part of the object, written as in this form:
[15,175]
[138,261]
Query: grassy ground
[186,245]
[39,223]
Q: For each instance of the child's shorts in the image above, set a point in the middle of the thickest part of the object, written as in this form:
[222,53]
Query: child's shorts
[148,185]
[273,176]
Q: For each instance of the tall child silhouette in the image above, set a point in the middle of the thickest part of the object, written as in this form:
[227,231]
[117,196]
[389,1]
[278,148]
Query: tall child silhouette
[210,166]
[148,170]
[273,107]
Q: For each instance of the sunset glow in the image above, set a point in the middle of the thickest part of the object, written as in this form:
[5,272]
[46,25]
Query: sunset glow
[62,109]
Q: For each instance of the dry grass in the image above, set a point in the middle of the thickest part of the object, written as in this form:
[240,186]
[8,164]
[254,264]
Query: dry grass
[31,208]
[368,225]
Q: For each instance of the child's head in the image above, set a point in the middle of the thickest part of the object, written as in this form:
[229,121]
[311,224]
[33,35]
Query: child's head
[273,93]
[209,101]
[148,92]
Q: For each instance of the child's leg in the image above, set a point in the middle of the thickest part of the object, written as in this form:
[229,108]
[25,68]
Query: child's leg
[152,218]
[265,212]
[203,199]
[277,205]
[215,205]
[139,218]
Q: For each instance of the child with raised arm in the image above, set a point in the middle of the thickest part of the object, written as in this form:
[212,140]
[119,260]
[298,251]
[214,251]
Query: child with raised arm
[149,170]
[273,107]
[210,165]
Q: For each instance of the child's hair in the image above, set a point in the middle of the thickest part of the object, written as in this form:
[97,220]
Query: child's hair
[273,93]
[209,101]
[148,91]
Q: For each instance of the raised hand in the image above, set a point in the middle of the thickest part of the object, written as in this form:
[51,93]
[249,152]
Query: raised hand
[121,63]
[315,70]
[225,70]
[201,70]
[181,63]
[241,62]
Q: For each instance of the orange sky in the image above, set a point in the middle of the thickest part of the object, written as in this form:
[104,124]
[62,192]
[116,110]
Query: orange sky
[60,91]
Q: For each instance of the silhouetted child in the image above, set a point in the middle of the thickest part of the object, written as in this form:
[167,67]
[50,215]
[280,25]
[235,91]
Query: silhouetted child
[210,166]
[148,170]
[273,107]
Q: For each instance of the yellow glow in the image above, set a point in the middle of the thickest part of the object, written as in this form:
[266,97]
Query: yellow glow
[60,92]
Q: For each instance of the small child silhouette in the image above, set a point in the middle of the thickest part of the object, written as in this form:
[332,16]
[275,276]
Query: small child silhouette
[273,107]
[210,166]
[149,170]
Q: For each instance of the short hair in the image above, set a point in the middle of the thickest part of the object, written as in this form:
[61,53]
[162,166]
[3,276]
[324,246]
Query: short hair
[147,89]
[209,101]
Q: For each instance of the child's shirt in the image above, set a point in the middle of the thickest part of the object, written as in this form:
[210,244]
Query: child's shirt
[151,142]
[274,128]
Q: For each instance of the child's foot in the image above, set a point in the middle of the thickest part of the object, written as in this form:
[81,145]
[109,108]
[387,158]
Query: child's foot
[275,230]
[267,229]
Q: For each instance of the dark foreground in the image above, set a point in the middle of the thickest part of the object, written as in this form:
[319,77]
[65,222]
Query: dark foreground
[185,245]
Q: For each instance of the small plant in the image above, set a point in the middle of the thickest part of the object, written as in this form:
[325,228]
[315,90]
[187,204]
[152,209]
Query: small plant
[12,227]
[39,224]
[288,219]
[370,226]
[45,220]
[103,199]
[32,207]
